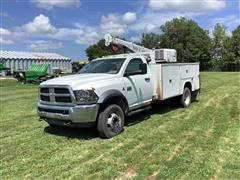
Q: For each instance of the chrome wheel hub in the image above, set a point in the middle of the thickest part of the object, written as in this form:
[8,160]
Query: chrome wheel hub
[114,122]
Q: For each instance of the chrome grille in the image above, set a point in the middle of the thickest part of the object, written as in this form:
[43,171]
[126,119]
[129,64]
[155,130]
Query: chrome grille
[45,98]
[55,95]
[66,99]
[61,91]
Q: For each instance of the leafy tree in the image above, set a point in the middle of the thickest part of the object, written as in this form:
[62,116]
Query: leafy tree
[191,41]
[99,49]
[235,39]
[221,44]
[151,41]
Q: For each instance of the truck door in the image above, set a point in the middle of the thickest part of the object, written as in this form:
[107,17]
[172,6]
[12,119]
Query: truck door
[138,88]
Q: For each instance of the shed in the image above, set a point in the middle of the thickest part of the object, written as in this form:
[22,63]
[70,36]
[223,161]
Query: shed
[18,60]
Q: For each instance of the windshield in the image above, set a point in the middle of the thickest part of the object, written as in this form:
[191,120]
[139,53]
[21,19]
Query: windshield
[109,66]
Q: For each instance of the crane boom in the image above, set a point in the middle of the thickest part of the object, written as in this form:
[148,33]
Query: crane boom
[134,47]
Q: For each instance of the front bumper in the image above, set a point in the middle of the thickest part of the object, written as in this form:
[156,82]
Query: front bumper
[79,114]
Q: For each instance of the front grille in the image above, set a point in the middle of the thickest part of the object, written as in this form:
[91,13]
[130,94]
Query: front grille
[61,91]
[45,98]
[54,111]
[55,95]
[65,99]
[44,90]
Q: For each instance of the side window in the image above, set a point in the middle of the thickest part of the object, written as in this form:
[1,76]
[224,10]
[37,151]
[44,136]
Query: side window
[134,65]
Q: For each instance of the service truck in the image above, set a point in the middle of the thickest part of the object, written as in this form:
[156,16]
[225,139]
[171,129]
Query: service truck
[109,88]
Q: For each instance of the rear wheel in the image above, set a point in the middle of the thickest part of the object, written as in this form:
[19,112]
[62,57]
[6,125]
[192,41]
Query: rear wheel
[186,97]
[110,121]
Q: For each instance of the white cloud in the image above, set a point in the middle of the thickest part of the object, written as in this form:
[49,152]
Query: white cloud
[149,23]
[5,36]
[129,17]
[5,41]
[112,24]
[187,5]
[82,34]
[43,45]
[40,25]
[4,32]
[50,4]
[230,21]
[88,37]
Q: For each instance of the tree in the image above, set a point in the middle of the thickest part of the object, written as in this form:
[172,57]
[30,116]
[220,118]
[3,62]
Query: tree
[76,66]
[99,49]
[235,40]
[151,41]
[221,44]
[191,41]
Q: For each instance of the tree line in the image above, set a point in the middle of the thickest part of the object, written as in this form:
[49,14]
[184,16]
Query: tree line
[216,51]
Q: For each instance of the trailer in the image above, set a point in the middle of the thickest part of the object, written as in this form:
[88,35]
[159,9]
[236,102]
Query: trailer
[36,73]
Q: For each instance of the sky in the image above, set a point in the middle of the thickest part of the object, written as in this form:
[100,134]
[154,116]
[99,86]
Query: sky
[68,27]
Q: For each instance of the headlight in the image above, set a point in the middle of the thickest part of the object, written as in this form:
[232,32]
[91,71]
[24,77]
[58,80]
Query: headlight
[85,96]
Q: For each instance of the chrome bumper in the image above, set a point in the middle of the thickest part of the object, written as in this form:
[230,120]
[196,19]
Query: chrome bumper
[73,114]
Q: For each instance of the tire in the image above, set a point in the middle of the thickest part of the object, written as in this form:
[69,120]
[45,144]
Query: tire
[196,95]
[110,121]
[53,125]
[186,97]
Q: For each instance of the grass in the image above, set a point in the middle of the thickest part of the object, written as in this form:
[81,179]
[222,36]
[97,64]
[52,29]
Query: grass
[200,142]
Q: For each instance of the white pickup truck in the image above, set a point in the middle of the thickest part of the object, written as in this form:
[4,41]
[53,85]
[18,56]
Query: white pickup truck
[108,88]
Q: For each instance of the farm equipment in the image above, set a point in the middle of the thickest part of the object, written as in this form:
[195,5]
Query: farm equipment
[3,69]
[36,73]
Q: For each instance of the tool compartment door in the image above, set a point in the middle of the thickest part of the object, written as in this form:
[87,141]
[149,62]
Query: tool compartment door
[187,71]
[170,80]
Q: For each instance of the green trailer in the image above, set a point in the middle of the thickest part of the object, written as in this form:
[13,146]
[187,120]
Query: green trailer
[3,68]
[37,72]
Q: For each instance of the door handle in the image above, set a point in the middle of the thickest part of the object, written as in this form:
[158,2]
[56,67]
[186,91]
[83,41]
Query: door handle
[147,79]
[129,88]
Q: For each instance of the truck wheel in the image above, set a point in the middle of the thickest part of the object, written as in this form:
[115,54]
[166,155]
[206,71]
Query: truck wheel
[186,97]
[110,121]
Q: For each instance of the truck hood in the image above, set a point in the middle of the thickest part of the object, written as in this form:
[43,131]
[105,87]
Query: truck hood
[79,81]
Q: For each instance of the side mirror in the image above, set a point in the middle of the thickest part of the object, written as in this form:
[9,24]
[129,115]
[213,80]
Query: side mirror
[143,68]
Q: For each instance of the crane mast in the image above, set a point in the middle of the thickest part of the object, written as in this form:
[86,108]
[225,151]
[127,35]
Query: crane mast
[133,47]
[152,56]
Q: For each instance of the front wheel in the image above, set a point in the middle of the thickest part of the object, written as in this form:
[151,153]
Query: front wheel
[110,121]
[186,97]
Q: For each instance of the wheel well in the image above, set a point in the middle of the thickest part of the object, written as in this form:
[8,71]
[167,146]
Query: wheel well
[116,100]
[188,85]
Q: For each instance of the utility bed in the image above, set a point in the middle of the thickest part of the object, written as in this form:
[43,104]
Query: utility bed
[169,78]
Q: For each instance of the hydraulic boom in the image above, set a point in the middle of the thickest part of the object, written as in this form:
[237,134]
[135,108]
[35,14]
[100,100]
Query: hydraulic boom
[134,47]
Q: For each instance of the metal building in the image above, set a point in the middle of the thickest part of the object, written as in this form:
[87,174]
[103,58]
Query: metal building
[17,60]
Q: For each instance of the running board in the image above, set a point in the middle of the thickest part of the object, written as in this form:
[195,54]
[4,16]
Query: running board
[139,110]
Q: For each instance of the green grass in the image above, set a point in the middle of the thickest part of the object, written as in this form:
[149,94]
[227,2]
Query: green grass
[200,142]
